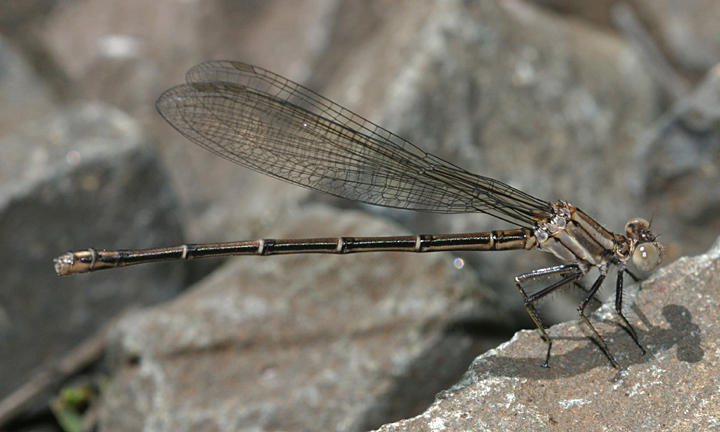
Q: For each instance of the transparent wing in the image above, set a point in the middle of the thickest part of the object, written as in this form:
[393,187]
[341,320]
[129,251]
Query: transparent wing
[272,125]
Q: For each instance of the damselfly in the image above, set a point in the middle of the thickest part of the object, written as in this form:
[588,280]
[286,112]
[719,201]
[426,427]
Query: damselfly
[275,126]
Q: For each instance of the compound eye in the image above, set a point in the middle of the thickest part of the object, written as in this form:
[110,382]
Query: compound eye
[634,226]
[646,256]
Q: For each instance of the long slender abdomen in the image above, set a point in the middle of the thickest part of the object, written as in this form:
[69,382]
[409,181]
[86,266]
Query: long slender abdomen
[90,259]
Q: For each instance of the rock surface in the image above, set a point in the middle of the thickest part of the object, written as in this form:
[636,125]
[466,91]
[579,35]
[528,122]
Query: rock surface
[672,387]
[81,166]
[304,342]
[687,30]
[23,95]
[682,154]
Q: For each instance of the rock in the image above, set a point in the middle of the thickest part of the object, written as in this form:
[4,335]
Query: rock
[687,30]
[672,387]
[597,12]
[82,176]
[22,94]
[300,342]
[681,154]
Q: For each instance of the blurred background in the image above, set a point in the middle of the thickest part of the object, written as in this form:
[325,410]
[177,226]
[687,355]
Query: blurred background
[611,105]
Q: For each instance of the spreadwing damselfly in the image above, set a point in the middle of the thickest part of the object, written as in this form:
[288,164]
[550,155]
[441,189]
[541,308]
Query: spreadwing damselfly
[270,124]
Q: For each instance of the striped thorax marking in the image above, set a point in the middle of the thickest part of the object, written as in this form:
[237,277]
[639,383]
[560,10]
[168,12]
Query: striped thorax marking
[573,236]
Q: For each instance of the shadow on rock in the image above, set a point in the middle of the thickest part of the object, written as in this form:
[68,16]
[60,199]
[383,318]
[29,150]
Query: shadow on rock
[682,332]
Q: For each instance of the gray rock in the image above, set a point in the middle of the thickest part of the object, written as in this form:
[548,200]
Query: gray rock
[673,387]
[597,12]
[80,177]
[22,94]
[303,342]
[687,30]
[681,154]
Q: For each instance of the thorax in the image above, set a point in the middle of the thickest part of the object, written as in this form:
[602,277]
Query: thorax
[574,237]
